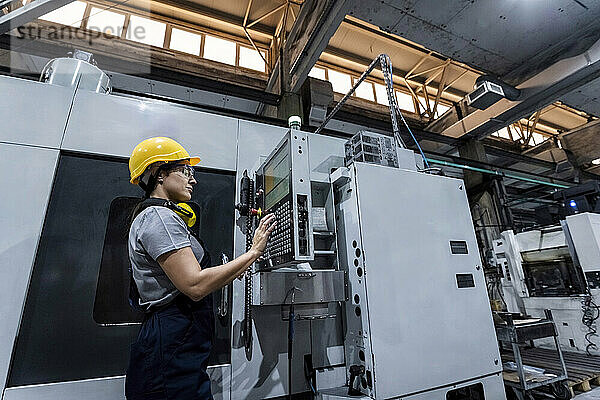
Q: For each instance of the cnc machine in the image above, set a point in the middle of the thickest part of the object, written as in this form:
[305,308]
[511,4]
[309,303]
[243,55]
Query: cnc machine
[371,285]
[556,267]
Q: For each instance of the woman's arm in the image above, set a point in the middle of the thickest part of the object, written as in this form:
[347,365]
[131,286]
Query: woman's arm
[184,271]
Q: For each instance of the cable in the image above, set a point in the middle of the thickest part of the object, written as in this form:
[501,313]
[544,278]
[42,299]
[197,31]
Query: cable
[386,67]
[292,317]
[387,70]
[415,140]
[591,312]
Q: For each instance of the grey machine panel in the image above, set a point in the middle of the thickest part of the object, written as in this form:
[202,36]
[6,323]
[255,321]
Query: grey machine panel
[28,179]
[311,287]
[113,125]
[417,328]
[43,120]
[265,374]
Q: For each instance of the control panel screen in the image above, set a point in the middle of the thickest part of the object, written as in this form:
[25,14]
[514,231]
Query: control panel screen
[277,177]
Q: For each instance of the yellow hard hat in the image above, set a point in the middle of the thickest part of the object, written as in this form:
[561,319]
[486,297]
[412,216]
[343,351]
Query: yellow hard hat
[154,150]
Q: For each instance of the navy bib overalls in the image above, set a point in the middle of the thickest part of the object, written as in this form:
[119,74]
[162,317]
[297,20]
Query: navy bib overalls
[170,357]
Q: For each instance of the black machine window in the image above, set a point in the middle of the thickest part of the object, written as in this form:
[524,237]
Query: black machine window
[110,304]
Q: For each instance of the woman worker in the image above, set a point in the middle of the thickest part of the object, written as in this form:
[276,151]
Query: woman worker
[172,281]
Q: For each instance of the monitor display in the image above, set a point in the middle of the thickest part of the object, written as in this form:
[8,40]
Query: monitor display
[277,177]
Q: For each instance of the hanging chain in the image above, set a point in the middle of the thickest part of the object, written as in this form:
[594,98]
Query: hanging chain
[386,67]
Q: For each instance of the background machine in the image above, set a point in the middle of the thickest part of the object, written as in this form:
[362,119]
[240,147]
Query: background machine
[556,267]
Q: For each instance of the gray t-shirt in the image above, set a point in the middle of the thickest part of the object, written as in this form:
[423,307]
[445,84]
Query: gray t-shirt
[154,232]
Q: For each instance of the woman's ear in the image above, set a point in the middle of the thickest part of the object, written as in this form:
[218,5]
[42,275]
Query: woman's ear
[160,178]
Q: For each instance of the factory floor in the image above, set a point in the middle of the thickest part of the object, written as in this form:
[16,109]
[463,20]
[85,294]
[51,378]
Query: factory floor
[593,394]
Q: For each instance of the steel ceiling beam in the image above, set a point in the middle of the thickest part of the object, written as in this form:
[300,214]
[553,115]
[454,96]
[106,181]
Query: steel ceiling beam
[315,25]
[28,13]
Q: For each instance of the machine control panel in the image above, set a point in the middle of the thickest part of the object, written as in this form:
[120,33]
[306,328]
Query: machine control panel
[283,184]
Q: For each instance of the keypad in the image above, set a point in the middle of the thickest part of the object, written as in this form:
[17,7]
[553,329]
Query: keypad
[280,241]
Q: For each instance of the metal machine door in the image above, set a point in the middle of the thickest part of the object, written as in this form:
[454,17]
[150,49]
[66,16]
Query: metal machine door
[428,312]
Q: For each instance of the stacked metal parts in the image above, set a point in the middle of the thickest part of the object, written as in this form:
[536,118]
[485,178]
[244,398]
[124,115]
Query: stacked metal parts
[371,148]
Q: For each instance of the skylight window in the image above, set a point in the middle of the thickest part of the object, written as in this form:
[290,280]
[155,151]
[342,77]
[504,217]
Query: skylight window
[249,58]
[405,101]
[365,91]
[442,108]
[146,31]
[108,22]
[185,41]
[537,138]
[423,103]
[504,133]
[318,73]
[220,50]
[341,82]
[381,93]
[71,14]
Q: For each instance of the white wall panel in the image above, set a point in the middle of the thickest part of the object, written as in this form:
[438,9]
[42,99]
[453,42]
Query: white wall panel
[113,125]
[26,186]
[32,112]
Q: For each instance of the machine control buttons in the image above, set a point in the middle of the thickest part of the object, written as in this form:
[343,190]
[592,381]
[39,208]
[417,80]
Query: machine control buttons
[279,244]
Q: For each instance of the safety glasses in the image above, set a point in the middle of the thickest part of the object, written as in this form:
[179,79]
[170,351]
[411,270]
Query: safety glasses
[187,170]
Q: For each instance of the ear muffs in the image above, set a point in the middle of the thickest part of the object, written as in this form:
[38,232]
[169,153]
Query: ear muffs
[186,212]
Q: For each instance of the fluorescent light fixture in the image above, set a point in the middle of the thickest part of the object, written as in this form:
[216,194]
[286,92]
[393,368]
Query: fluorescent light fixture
[596,161]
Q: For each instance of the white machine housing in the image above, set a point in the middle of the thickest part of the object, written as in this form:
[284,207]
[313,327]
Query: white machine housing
[577,239]
[418,317]
[585,233]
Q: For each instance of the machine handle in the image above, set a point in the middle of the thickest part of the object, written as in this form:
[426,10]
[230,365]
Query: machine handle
[223,307]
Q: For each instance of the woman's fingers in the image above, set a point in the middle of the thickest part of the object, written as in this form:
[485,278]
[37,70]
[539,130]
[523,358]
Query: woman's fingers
[264,222]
